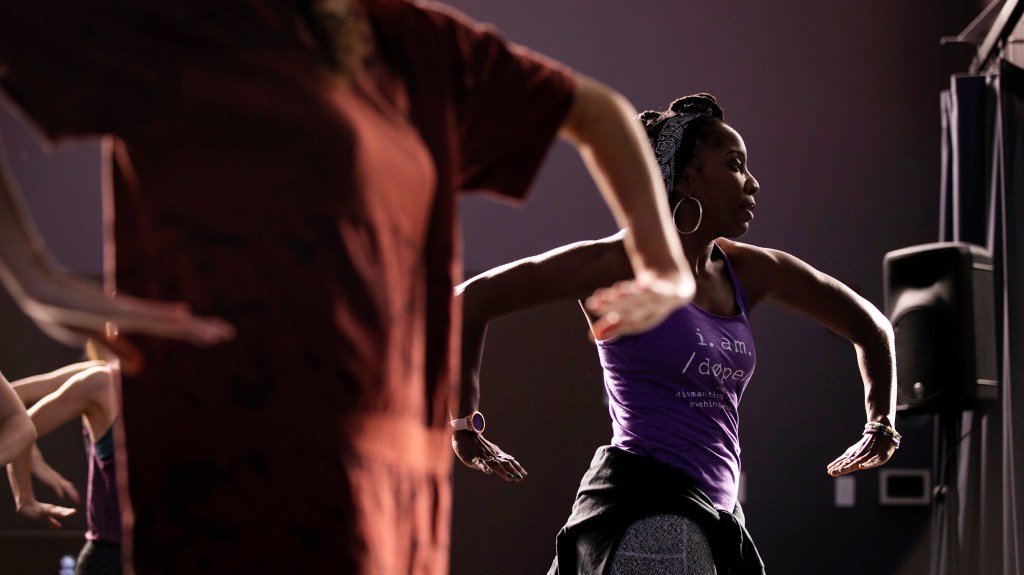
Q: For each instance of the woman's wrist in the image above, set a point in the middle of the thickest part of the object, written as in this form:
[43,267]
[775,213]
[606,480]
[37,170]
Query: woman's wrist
[880,416]
[22,502]
[885,430]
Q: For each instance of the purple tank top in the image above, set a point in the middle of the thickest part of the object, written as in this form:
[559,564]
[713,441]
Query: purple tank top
[674,392]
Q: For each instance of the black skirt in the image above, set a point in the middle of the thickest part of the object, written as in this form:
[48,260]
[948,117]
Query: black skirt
[621,488]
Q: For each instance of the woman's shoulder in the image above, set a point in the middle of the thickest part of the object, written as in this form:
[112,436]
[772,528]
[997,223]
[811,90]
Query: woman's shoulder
[749,255]
[758,268]
[742,255]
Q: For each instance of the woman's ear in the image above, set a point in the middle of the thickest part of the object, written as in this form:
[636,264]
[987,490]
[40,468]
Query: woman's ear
[684,183]
[678,192]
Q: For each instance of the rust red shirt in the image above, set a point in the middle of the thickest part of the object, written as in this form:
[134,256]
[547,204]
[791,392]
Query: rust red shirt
[319,218]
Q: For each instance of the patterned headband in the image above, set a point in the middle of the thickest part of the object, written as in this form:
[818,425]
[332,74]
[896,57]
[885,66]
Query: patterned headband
[667,141]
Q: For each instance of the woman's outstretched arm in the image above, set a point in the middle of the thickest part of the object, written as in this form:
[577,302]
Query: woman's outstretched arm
[84,392]
[565,273]
[772,275]
[16,430]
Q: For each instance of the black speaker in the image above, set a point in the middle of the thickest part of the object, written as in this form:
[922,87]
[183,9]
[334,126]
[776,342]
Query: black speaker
[941,302]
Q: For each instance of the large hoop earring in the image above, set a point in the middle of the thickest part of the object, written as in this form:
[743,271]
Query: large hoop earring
[700,215]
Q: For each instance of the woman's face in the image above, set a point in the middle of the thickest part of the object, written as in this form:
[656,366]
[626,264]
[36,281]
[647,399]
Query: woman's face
[718,176]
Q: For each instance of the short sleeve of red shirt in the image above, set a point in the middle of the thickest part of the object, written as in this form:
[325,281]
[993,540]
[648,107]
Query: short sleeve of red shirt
[509,101]
[72,72]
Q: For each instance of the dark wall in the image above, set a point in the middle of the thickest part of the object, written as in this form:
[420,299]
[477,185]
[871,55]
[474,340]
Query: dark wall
[838,104]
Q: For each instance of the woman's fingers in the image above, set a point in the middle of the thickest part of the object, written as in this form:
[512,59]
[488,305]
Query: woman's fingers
[83,312]
[481,464]
[72,492]
[630,307]
[46,512]
[64,305]
[500,463]
[479,453]
[867,453]
[506,467]
[173,321]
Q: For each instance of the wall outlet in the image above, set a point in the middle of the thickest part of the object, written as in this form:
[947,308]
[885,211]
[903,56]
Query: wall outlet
[846,491]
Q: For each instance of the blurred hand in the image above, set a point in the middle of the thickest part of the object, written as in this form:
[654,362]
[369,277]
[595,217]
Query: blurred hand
[478,453]
[63,488]
[45,512]
[71,309]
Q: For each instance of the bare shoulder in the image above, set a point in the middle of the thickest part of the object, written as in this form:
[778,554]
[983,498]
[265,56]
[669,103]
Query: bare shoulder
[758,258]
[750,262]
[764,272]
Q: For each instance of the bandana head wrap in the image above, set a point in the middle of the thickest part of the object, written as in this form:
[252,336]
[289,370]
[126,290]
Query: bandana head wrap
[666,134]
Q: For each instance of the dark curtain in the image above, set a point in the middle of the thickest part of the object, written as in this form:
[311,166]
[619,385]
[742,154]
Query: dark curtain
[978,522]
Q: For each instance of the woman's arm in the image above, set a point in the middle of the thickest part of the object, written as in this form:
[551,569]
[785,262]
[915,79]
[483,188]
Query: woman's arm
[88,393]
[569,272]
[16,441]
[616,151]
[16,430]
[60,485]
[33,388]
[772,275]
[20,475]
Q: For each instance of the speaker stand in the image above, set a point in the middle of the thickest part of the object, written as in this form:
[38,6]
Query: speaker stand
[945,550]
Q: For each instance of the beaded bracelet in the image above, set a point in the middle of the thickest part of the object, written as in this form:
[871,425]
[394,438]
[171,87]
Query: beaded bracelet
[873,427]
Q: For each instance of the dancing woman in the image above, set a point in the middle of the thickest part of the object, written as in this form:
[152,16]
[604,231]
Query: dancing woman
[673,464]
